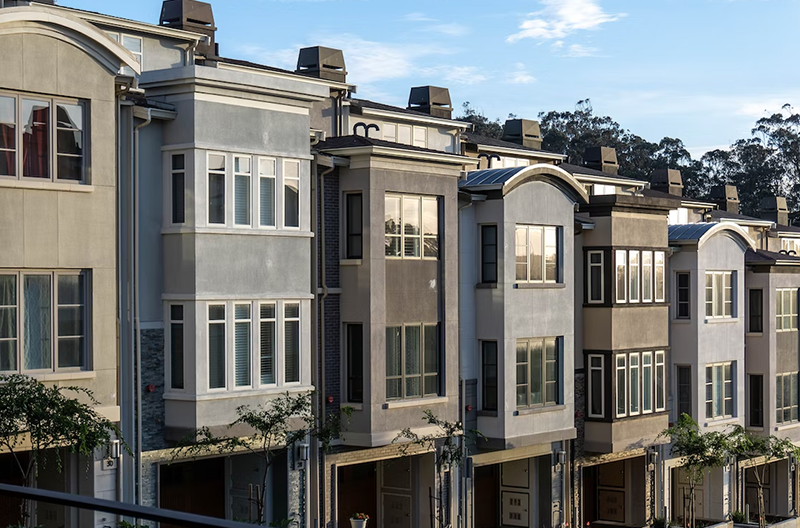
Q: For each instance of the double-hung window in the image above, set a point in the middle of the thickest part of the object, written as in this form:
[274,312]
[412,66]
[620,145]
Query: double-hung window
[42,138]
[537,252]
[647,276]
[412,226]
[595,278]
[353,225]
[786,309]
[488,254]
[43,321]
[538,371]
[719,294]
[264,348]
[412,361]
[719,390]
[786,398]
[622,385]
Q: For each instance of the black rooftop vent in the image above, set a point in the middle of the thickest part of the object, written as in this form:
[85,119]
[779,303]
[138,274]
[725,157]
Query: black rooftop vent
[774,208]
[602,159]
[191,15]
[431,100]
[667,181]
[523,132]
[322,63]
[726,197]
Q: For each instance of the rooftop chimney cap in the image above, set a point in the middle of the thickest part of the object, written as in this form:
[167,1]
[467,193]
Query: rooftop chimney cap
[666,177]
[186,13]
[774,203]
[429,96]
[524,132]
[596,155]
[322,62]
[725,192]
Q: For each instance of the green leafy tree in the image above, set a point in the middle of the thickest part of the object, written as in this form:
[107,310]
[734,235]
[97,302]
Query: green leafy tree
[699,453]
[38,421]
[481,125]
[763,449]
[275,426]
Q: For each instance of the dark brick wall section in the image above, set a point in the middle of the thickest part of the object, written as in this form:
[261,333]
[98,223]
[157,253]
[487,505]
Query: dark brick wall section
[330,210]
[333,353]
[153,402]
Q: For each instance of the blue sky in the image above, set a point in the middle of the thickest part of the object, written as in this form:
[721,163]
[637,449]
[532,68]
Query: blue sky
[700,70]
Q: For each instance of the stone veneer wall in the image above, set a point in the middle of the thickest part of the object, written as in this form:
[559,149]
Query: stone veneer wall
[153,378]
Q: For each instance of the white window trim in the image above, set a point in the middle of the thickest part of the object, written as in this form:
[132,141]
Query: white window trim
[279,361]
[780,293]
[257,194]
[590,391]
[424,141]
[638,384]
[621,299]
[591,265]
[298,179]
[633,253]
[714,289]
[422,199]
[543,228]
[660,389]
[624,388]
[656,266]
[226,184]
[652,386]
[251,352]
[249,176]
[119,38]
[649,278]
[389,137]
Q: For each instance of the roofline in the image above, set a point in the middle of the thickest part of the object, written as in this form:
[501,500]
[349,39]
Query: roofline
[697,204]
[454,159]
[412,117]
[538,172]
[509,150]
[793,234]
[291,75]
[718,226]
[610,179]
[133,24]
[755,223]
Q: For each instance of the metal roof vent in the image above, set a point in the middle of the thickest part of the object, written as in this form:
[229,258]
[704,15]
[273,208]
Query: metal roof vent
[774,208]
[726,197]
[602,159]
[525,132]
[667,181]
[191,15]
[431,100]
[322,63]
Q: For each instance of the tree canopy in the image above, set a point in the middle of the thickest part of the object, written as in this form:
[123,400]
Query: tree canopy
[765,164]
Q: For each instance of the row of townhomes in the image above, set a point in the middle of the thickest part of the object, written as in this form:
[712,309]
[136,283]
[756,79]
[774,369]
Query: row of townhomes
[185,233]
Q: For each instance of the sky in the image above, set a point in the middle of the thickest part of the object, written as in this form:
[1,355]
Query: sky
[700,70]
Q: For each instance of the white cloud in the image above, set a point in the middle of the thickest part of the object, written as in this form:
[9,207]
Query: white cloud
[520,75]
[765,107]
[417,17]
[697,152]
[451,30]
[577,50]
[456,74]
[560,18]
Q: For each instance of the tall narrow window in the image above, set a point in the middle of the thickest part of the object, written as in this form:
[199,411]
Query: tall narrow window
[622,276]
[661,381]
[633,276]
[354,334]
[393,226]
[489,375]
[8,136]
[488,253]
[35,139]
[216,188]
[241,345]
[8,322]
[268,343]
[413,368]
[216,346]
[241,190]
[596,387]
[684,295]
[71,323]
[647,382]
[550,254]
[756,400]
[647,276]
[660,287]
[411,227]
[176,352]
[353,226]
[69,141]
[266,192]
[622,385]
[291,193]
[394,362]
[595,277]
[291,324]
[633,390]
[37,316]
[755,311]
[178,188]
[430,363]
[786,309]
[684,382]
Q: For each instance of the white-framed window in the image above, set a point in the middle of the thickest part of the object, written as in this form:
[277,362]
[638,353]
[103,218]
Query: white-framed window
[641,382]
[178,187]
[44,316]
[639,275]
[263,351]
[42,138]
[537,254]
[412,361]
[719,390]
[621,275]
[176,346]
[790,244]
[678,216]
[661,381]
[538,371]
[132,44]
[597,393]
[390,132]
[216,188]
[420,136]
[622,385]
[660,275]
[786,309]
[719,294]
[242,187]
[647,382]
[647,276]
[595,286]
[266,191]
[634,384]
[291,193]
[633,276]
[412,226]
[786,398]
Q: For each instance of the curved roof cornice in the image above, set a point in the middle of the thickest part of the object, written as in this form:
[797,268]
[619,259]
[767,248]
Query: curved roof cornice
[509,179]
[16,20]
[701,233]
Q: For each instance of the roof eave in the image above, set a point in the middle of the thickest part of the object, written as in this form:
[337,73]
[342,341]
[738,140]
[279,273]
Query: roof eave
[530,153]
[413,117]
[287,75]
[453,159]
[610,179]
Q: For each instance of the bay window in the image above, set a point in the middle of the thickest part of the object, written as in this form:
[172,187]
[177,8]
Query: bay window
[719,390]
[537,254]
[640,382]
[633,276]
[639,275]
[538,371]
[43,321]
[176,352]
[595,278]
[622,277]
[42,138]
[596,386]
[412,361]
[719,294]
[786,309]
[411,226]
